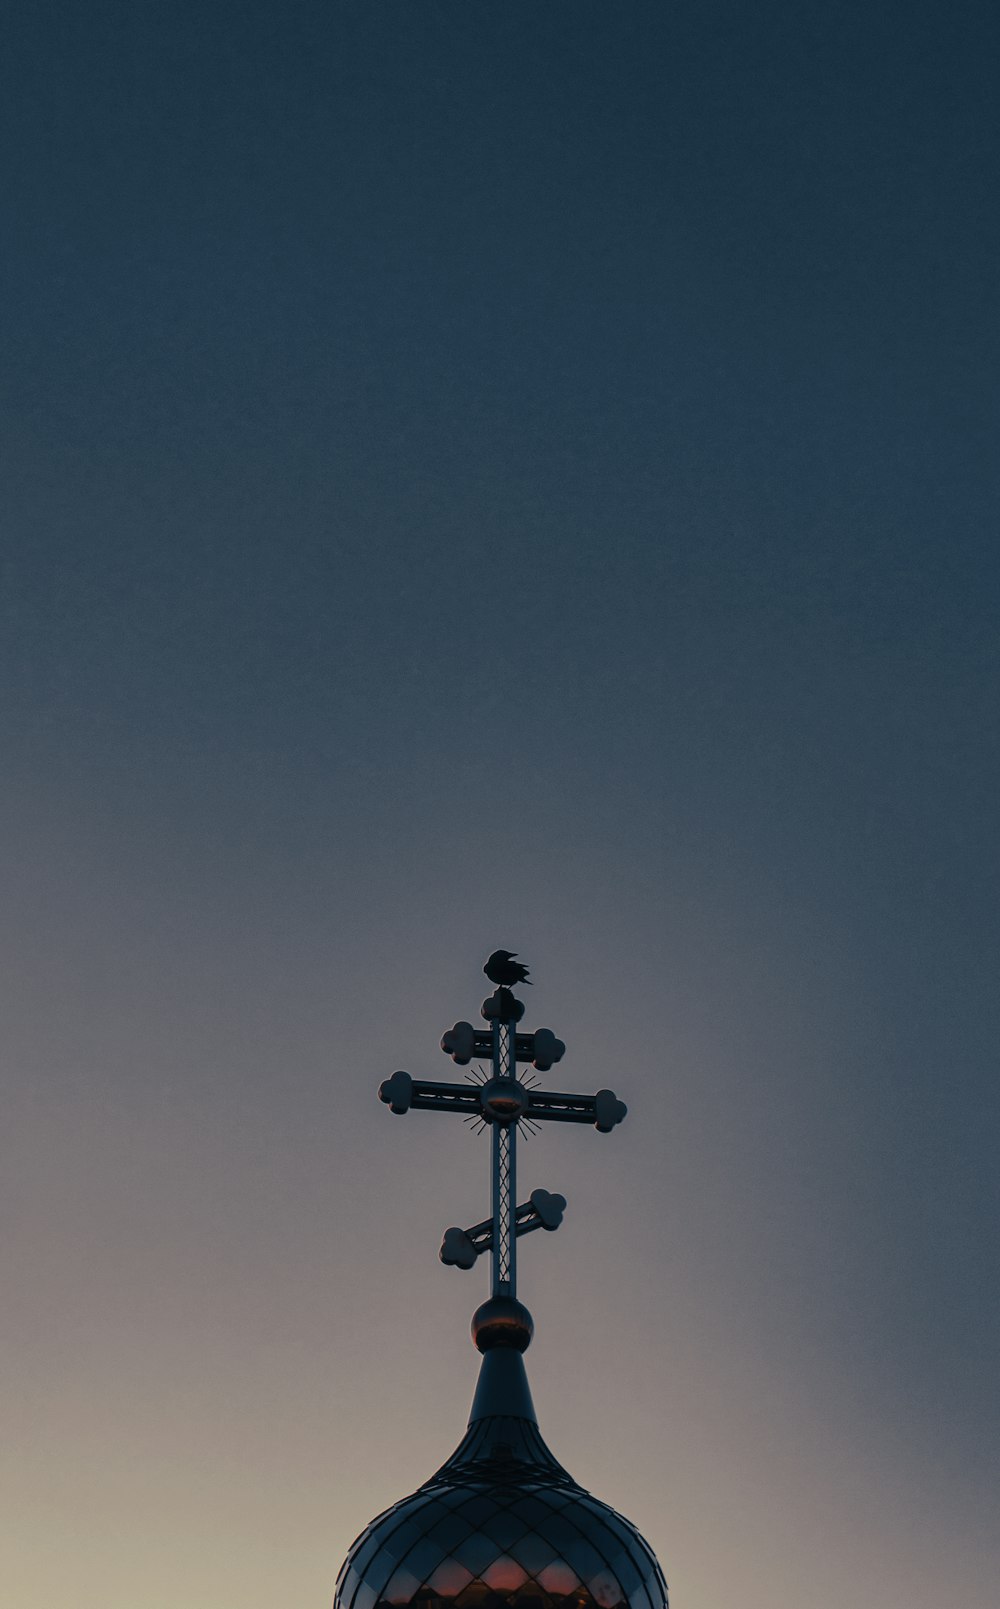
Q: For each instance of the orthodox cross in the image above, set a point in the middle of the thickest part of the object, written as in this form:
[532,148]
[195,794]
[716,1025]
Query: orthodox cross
[502,1103]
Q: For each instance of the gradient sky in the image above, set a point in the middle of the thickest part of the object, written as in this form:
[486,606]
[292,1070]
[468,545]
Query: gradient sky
[475,475]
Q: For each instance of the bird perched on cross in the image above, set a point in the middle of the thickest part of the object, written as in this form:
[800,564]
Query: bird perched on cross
[503,970]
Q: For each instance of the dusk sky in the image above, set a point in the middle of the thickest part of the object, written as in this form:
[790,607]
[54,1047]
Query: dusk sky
[500,474]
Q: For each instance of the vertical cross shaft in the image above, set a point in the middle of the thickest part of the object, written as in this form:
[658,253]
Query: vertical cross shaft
[504,1143]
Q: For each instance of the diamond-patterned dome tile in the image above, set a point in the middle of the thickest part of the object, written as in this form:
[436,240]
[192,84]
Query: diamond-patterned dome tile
[477,1552]
[449,1579]
[533,1552]
[401,1587]
[423,1558]
[558,1578]
[505,1528]
[505,1574]
[476,1510]
[606,1591]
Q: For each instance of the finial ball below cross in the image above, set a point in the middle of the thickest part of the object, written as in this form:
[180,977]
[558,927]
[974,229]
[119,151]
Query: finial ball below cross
[503,1103]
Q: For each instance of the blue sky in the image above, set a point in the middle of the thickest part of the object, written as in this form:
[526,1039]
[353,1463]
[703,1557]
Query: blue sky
[500,475]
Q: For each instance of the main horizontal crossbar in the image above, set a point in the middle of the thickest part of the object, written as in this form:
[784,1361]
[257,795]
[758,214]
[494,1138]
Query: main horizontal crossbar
[403,1094]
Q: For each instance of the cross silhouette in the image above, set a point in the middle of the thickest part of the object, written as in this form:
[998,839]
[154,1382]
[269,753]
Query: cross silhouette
[502,1103]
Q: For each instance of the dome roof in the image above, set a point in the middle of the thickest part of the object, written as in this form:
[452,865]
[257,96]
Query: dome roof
[501,1524]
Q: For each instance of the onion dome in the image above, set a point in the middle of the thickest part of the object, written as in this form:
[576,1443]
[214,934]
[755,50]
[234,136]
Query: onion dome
[502,1523]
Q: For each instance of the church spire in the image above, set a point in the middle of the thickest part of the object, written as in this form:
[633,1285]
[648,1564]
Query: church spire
[501,1525]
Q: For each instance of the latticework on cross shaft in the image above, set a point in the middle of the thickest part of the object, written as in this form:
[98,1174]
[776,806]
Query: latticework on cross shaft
[507,1067]
[505,1138]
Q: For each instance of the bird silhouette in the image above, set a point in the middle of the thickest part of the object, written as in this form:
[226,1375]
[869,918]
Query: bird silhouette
[502,969]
